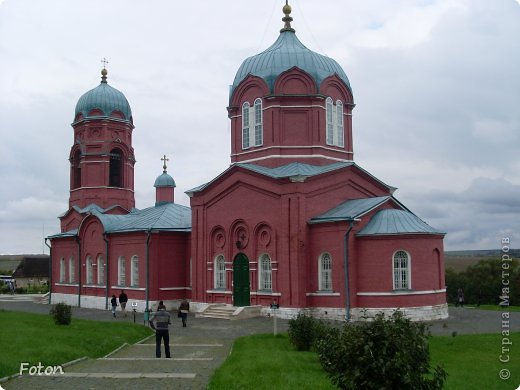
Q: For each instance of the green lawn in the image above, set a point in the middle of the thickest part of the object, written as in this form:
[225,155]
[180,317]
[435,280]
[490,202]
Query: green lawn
[269,362]
[33,338]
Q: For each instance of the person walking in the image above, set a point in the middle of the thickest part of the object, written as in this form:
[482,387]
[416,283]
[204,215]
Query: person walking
[460,298]
[160,322]
[123,299]
[113,301]
[184,309]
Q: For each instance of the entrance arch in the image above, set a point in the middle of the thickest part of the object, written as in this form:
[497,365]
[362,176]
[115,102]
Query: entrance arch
[241,289]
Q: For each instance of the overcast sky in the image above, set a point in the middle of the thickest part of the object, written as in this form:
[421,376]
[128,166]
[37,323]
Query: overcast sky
[436,85]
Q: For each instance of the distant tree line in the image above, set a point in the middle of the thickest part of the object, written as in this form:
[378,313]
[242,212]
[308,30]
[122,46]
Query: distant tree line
[489,282]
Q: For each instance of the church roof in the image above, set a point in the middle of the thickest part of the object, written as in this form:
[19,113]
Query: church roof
[164,180]
[286,53]
[104,98]
[350,210]
[392,221]
[166,217]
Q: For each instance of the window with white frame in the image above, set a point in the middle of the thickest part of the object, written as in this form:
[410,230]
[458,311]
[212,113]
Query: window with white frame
[135,271]
[252,124]
[62,270]
[121,271]
[72,271]
[325,272]
[100,270]
[401,268]
[220,272]
[265,274]
[90,273]
[335,131]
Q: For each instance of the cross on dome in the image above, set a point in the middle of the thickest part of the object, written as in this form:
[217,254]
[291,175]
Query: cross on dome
[164,159]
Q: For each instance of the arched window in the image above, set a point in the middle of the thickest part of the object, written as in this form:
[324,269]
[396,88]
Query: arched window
[265,276]
[116,168]
[259,138]
[245,125]
[220,272]
[401,268]
[100,270]
[135,271]
[252,124]
[62,270]
[121,271]
[90,273]
[325,272]
[72,271]
[76,170]
[335,131]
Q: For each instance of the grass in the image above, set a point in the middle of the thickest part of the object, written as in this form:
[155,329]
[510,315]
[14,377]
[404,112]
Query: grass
[270,362]
[33,338]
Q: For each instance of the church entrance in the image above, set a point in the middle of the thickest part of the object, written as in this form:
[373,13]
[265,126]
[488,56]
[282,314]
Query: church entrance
[241,280]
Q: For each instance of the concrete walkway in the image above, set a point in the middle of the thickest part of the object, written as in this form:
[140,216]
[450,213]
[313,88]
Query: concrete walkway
[197,350]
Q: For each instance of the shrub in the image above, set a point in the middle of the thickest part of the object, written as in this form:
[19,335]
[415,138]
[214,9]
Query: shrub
[61,313]
[304,330]
[388,353]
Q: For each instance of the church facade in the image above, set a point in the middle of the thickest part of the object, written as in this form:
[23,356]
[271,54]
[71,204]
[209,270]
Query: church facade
[292,221]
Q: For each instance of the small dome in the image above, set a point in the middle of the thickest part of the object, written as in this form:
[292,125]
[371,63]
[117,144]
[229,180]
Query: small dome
[288,52]
[164,180]
[106,99]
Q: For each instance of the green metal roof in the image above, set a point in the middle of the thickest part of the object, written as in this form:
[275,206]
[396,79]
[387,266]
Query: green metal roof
[164,180]
[295,169]
[105,98]
[392,221]
[288,52]
[165,217]
[350,210]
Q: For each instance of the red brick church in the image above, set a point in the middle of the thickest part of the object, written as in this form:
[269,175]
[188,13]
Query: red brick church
[293,220]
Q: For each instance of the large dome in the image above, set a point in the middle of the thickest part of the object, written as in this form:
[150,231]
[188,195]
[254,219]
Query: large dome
[288,52]
[111,102]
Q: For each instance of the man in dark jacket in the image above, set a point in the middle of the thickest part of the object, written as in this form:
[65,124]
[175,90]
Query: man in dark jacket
[123,299]
[159,322]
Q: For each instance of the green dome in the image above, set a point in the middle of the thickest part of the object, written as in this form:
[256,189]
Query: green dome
[164,180]
[106,99]
[288,52]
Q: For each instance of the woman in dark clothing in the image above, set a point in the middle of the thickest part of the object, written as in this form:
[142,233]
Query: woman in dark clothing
[184,309]
[113,301]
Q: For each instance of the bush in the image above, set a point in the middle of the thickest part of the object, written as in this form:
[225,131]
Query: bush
[305,330]
[61,313]
[388,353]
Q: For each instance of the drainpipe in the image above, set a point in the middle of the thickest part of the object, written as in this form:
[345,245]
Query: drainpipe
[50,269]
[79,270]
[149,236]
[105,238]
[345,266]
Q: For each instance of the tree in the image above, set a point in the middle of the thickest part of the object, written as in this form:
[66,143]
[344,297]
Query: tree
[387,353]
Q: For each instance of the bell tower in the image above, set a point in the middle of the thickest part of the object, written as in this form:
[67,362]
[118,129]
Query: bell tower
[102,157]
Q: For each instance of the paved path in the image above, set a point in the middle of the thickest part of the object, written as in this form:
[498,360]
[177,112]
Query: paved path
[197,350]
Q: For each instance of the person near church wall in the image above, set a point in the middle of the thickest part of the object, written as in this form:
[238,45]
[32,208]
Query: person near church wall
[160,322]
[113,301]
[460,298]
[123,299]
[184,309]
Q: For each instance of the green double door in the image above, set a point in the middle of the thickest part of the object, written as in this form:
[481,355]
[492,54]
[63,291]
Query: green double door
[241,287]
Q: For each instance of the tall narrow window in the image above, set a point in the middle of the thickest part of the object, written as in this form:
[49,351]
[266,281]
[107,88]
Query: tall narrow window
[330,121]
[135,271]
[258,123]
[265,282]
[90,273]
[62,270]
[325,272]
[100,270]
[116,168]
[220,272]
[339,128]
[245,125]
[121,272]
[401,268]
[335,128]
[76,170]
[72,271]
